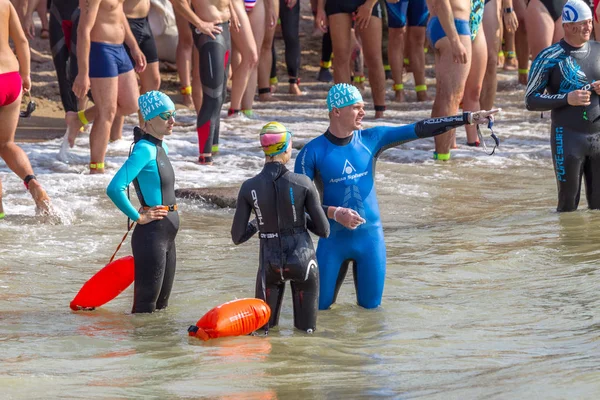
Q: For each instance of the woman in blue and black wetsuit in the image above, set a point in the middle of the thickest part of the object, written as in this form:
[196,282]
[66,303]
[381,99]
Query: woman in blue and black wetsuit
[153,240]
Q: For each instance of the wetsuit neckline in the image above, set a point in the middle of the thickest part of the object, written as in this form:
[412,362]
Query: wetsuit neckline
[571,48]
[141,134]
[336,140]
[274,169]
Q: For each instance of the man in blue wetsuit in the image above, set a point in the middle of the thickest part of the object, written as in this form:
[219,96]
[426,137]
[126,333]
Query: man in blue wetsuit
[342,164]
[153,240]
[570,72]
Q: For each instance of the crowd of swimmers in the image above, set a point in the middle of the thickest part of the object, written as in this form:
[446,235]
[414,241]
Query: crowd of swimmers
[104,50]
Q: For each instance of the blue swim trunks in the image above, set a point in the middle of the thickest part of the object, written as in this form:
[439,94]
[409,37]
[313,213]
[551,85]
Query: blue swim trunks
[411,12]
[435,31]
[108,60]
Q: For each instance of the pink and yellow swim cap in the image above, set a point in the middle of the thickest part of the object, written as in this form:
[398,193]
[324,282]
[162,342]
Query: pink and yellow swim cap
[274,138]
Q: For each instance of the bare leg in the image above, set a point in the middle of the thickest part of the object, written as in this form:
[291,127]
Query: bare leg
[74,123]
[396,59]
[196,81]
[521,45]
[371,40]
[185,43]
[540,27]
[108,92]
[266,59]
[450,86]
[475,81]
[42,11]
[257,21]
[491,26]
[245,58]
[339,28]
[1,205]
[416,36]
[14,157]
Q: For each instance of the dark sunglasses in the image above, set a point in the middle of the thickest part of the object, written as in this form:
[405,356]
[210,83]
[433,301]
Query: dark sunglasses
[31,106]
[166,115]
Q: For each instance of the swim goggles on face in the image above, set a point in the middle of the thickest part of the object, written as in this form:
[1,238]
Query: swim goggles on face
[165,115]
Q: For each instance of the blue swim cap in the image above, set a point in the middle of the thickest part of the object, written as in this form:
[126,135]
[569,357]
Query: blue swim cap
[153,103]
[343,95]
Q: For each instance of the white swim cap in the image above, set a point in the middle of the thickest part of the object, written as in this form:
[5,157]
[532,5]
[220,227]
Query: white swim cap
[576,11]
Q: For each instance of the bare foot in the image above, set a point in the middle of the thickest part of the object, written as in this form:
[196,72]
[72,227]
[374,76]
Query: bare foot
[359,85]
[295,89]
[266,97]
[510,64]
[523,79]
[273,88]
[94,171]
[399,96]
[188,101]
[422,96]
[40,197]
[500,60]
[378,114]
[73,126]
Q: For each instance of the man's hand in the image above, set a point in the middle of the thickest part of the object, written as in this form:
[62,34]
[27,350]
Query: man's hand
[348,217]
[483,117]
[139,58]
[209,28]
[81,85]
[579,97]
[459,53]
[28,26]
[26,83]
[511,22]
[363,15]
[596,87]
[321,20]
[153,214]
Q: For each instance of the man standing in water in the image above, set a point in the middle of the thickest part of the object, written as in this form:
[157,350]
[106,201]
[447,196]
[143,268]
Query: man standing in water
[213,42]
[103,65]
[342,163]
[570,71]
[449,33]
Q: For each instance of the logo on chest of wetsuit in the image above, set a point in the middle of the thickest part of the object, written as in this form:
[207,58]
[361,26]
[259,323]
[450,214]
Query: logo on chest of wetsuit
[350,173]
[256,207]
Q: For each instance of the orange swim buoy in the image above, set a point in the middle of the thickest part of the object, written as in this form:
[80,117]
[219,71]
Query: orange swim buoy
[105,285]
[234,318]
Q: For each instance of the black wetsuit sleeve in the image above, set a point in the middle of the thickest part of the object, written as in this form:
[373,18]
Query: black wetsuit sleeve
[316,220]
[241,229]
[539,77]
[436,126]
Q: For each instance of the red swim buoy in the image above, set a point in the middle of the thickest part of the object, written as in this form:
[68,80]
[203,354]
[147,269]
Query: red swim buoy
[105,285]
[234,318]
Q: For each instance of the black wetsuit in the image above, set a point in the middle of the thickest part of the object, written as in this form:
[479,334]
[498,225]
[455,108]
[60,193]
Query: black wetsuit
[153,244]
[62,27]
[290,26]
[279,199]
[214,64]
[575,132]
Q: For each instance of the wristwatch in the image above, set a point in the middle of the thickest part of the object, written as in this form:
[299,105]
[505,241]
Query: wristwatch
[508,10]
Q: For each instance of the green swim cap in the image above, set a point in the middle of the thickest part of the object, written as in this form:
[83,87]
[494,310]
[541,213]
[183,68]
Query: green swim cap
[153,103]
[343,95]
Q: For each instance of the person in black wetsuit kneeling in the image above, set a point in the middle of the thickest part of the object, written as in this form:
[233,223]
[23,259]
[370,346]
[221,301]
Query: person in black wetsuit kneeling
[153,240]
[570,72]
[285,205]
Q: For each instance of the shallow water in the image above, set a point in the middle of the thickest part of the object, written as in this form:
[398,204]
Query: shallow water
[489,292]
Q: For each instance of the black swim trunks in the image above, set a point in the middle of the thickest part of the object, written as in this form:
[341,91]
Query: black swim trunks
[140,27]
[350,7]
